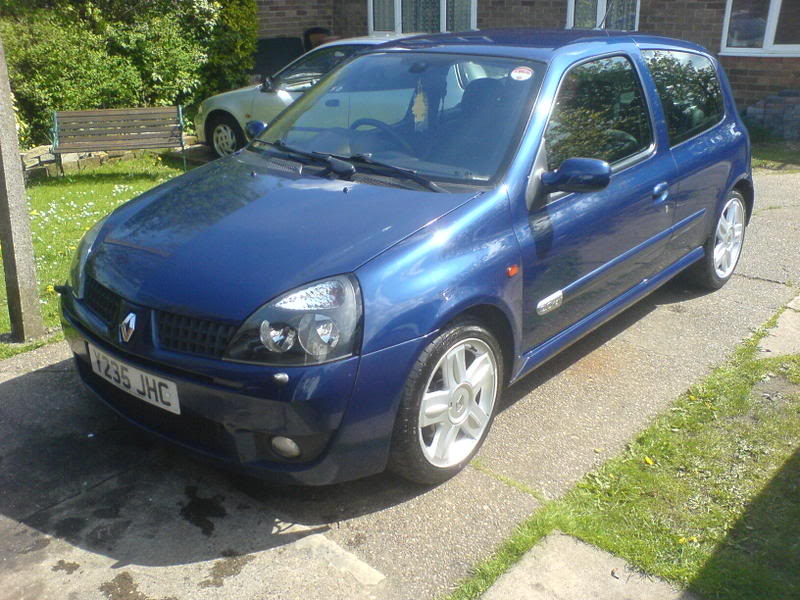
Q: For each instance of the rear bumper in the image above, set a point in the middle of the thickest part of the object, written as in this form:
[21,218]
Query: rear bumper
[341,413]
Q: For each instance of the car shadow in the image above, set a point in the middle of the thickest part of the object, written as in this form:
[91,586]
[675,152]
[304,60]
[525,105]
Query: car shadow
[767,537]
[673,292]
[71,470]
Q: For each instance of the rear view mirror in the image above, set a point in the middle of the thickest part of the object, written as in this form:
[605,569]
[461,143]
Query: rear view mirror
[578,175]
[254,128]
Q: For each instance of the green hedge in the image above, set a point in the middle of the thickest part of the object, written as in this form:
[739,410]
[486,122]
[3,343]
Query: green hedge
[73,54]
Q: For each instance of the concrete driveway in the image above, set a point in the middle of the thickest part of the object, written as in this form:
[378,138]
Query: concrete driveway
[90,509]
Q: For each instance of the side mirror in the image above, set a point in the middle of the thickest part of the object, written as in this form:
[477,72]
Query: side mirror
[578,175]
[254,128]
[267,84]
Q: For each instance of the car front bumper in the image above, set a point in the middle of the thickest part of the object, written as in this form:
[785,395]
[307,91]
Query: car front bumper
[340,413]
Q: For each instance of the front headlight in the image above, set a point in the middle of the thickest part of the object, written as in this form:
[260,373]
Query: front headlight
[77,277]
[312,324]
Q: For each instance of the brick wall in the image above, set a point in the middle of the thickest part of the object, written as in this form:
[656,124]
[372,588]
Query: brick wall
[289,18]
[544,14]
[699,21]
[754,77]
[350,17]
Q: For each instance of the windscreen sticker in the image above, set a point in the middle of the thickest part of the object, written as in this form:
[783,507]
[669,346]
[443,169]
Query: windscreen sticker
[521,73]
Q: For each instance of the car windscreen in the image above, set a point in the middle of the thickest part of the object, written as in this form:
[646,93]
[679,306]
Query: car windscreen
[450,117]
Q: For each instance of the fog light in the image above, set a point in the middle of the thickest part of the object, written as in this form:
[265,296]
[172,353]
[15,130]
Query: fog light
[285,447]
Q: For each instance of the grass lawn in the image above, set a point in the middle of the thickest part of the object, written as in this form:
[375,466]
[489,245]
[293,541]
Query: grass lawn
[776,156]
[61,210]
[707,497]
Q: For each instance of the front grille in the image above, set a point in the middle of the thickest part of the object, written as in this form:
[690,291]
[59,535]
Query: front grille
[102,301]
[179,333]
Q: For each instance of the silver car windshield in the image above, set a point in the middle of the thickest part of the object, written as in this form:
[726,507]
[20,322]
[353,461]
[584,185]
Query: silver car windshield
[450,117]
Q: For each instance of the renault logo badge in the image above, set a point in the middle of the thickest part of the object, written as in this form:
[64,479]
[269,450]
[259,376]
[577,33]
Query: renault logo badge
[127,327]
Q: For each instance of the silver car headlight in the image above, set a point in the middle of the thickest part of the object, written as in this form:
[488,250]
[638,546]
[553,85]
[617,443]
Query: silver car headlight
[77,277]
[315,323]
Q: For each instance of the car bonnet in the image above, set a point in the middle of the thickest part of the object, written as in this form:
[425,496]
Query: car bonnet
[225,238]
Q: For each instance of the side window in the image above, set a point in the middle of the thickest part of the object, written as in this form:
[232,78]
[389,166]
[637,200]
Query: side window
[310,69]
[689,90]
[600,112]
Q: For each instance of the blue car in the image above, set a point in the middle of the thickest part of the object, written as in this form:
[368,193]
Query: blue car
[353,290]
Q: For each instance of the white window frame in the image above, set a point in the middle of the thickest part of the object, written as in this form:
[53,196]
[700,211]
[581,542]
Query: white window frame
[769,48]
[602,7]
[398,17]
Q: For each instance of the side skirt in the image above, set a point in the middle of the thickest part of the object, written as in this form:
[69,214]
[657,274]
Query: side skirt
[545,351]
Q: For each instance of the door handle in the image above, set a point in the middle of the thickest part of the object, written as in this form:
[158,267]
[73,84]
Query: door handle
[661,191]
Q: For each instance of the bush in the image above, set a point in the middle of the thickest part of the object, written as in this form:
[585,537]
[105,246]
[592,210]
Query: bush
[53,66]
[74,54]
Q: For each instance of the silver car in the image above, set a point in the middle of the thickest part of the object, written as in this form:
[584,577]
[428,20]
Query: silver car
[221,120]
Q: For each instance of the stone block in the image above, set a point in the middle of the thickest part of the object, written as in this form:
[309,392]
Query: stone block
[37,151]
[69,166]
[47,157]
[69,157]
[90,162]
[35,173]
[52,169]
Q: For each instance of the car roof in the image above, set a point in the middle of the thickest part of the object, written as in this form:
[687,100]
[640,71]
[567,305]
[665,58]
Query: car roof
[539,44]
[366,40]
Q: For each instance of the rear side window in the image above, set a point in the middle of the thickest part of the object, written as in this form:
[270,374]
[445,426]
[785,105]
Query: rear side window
[600,112]
[689,90]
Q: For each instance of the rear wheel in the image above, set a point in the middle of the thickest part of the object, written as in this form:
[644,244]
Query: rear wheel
[723,247]
[448,404]
[224,134]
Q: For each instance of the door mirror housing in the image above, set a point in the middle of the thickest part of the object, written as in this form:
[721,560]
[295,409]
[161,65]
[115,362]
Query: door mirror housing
[268,84]
[578,175]
[254,128]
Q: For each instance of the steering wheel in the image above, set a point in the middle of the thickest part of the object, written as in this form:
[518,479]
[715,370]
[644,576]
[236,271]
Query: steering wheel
[385,129]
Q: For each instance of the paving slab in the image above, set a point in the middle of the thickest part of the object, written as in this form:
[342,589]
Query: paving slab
[784,338]
[561,567]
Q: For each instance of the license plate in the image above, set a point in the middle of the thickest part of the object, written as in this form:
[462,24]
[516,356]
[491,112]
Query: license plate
[154,390]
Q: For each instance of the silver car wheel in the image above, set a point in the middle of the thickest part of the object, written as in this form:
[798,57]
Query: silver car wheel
[224,139]
[728,238]
[458,403]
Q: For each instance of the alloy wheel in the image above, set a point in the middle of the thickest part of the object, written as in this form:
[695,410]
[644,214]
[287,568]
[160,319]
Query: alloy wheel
[728,238]
[458,403]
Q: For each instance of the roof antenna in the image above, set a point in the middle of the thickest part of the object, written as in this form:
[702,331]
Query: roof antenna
[602,24]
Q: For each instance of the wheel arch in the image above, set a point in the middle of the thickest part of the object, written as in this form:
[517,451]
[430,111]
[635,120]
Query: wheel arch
[497,322]
[745,187]
[214,115]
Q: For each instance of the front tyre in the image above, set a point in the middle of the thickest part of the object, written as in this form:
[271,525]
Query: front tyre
[224,134]
[448,404]
[723,247]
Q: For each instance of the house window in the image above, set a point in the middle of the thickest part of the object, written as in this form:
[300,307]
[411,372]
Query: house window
[755,27]
[617,14]
[421,16]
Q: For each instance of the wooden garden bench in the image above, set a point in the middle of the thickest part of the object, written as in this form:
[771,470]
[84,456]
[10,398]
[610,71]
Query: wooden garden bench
[118,129]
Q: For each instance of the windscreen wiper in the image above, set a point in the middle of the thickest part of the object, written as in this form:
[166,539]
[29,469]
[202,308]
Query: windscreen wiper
[342,168]
[393,169]
[284,147]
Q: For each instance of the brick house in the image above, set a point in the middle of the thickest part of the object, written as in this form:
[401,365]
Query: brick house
[758,41]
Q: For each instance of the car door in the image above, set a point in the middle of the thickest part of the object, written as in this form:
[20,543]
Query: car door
[691,98]
[582,250]
[294,80]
